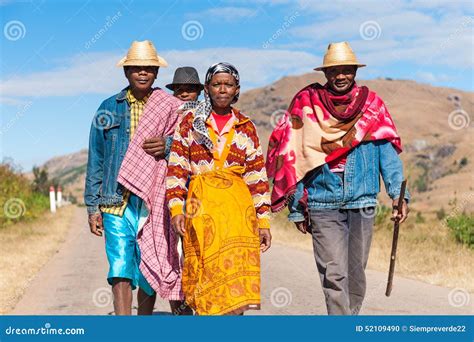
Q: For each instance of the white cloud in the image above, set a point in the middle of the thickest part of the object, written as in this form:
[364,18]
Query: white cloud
[95,73]
[13,101]
[400,35]
[224,13]
[431,78]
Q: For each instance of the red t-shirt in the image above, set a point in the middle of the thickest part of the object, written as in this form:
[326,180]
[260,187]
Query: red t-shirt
[221,120]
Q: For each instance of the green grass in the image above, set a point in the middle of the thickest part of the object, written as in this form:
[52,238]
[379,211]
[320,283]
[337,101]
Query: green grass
[462,227]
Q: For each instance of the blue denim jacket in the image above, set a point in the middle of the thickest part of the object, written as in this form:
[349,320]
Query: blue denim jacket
[108,141]
[360,184]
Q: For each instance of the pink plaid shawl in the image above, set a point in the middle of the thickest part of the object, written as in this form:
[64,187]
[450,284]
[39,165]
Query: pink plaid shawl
[309,136]
[145,177]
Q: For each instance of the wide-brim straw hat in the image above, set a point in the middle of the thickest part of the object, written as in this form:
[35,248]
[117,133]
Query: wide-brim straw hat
[142,54]
[339,54]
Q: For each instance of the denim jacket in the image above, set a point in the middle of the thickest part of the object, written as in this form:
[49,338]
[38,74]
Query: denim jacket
[359,185]
[108,141]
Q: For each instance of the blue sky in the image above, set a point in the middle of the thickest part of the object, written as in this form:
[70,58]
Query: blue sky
[58,57]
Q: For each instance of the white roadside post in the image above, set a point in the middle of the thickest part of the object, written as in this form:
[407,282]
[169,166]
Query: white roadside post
[52,199]
[59,197]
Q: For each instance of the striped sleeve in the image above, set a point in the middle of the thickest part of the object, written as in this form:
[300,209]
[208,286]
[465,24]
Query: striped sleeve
[178,170]
[255,177]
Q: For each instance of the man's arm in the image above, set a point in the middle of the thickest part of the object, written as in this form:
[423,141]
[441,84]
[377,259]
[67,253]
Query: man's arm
[391,168]
[160,147]
[296,209]
[94,177]
[95,169]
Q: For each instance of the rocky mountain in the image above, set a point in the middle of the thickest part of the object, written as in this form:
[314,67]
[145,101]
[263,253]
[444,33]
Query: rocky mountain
[434,123]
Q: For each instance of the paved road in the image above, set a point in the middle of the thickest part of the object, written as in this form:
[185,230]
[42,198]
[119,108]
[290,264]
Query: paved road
[73,283]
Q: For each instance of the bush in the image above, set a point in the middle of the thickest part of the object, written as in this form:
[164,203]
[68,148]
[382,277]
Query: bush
[421,183]
[419,218]
[18,200]
[440,214]
[462,227]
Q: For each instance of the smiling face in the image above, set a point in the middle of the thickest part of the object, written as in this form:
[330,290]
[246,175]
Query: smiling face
[141,79]
[341,77]
[222,89]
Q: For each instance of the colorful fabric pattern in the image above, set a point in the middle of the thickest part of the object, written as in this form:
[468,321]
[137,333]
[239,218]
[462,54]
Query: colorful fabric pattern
[188,157]
[144,176]
[291,154]
[221,273]
[227,203]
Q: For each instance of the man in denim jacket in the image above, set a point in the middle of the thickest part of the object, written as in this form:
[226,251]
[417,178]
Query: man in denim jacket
[111,208]
[326,158]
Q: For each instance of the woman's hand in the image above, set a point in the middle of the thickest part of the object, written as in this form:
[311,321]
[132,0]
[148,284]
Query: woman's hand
[265,239]
[178,224]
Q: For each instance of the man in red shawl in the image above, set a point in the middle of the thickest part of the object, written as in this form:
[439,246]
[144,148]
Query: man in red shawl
[326,156]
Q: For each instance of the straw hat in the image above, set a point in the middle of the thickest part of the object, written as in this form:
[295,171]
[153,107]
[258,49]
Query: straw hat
[339,54]
[142,54]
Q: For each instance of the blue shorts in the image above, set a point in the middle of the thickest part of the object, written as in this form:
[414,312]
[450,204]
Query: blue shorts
[121,245]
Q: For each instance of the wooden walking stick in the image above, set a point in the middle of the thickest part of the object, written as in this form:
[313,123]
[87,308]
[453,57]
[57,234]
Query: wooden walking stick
[395,240]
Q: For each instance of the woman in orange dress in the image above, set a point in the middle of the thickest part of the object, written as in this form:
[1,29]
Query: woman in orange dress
[223,214]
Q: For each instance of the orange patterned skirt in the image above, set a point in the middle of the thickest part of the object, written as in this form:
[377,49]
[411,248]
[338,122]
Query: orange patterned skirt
[221,273]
